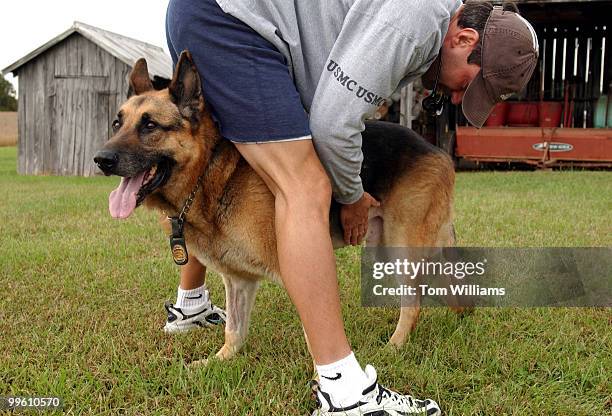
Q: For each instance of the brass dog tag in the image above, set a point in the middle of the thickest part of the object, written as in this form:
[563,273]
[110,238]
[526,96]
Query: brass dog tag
[177,242]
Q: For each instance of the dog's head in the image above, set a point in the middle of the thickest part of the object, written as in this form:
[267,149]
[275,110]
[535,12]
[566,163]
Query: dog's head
[155,134]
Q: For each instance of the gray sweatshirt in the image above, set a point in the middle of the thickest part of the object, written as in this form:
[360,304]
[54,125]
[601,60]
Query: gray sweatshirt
[346,57]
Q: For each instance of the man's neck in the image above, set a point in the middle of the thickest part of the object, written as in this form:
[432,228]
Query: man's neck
[429,78]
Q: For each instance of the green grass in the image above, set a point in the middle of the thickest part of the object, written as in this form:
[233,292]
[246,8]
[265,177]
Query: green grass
[81,312]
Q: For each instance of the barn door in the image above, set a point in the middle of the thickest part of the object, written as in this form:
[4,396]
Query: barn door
[80,123]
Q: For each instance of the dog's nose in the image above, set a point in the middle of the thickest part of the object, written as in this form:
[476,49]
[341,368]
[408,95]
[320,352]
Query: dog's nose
[106,160]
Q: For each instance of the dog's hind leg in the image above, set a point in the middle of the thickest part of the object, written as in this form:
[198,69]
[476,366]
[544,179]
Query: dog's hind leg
[239,299]
[447,239]
[409,315]
[375,238]
[405,325]
[420,207]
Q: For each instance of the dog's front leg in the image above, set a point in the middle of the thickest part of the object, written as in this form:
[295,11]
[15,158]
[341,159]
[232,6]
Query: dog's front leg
[239,299]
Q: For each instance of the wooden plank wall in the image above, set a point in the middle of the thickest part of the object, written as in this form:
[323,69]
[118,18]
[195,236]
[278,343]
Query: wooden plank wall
[33,126]
[22,105]
[68,98]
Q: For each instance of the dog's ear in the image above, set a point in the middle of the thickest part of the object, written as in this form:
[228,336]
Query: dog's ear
[139,78]
[185,87]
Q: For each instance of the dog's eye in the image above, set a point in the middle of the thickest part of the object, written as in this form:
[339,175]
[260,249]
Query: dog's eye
[116,125]
[150,125]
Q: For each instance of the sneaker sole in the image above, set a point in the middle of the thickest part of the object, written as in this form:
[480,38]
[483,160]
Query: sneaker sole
[170,328]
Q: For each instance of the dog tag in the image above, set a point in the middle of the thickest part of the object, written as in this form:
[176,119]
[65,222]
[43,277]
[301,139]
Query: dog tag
[177,242]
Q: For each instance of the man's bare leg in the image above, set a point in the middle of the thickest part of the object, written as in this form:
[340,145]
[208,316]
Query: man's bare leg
[193,275]
[302,192]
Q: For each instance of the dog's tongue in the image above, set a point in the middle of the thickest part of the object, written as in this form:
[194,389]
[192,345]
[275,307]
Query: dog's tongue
[122,201]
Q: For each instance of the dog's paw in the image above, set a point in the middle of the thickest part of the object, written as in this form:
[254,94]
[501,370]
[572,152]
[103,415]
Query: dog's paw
[397,341]
[198,363]
[205,362]
[226,353]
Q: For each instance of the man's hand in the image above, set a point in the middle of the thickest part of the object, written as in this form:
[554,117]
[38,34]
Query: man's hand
[354,218]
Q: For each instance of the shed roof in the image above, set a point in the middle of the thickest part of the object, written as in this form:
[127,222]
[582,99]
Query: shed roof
[125,49]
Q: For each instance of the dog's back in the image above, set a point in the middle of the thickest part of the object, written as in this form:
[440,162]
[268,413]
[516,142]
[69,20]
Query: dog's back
[399,164]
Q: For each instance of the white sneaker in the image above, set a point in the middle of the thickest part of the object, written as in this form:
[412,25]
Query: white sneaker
[376,401]
[178,321]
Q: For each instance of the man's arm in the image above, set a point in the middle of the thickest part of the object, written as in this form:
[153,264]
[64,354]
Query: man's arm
[367,63]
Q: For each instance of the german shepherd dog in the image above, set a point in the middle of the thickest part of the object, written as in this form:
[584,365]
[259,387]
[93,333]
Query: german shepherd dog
[165,143]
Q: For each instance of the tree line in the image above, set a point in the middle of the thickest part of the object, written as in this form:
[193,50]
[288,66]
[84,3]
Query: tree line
[8,102]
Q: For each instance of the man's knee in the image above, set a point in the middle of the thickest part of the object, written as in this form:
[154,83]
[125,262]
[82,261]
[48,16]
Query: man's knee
[293,173]
[320,189]
[311,190]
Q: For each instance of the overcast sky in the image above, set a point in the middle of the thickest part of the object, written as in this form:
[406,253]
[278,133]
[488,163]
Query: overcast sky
[28,24]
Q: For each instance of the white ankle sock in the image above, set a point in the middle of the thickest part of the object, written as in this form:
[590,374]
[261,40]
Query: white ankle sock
[343,380]
[190,300]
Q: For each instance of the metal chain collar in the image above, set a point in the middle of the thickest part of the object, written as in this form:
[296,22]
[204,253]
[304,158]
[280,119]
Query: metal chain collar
[190,198]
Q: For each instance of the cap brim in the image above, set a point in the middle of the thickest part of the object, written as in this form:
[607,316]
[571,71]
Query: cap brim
[477,104]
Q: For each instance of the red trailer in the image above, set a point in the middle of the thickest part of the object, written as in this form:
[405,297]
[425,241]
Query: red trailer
[544,147]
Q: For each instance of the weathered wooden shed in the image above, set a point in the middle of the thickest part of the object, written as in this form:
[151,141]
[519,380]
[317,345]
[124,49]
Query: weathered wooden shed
[69,92]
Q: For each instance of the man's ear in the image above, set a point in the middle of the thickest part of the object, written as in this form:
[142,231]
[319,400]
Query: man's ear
[467,37]
[185,88]
[139,79]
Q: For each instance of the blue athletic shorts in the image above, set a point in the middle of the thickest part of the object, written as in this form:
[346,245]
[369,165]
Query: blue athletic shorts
[245,80]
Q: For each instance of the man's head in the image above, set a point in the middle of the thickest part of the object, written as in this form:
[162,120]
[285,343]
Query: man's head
[488,54]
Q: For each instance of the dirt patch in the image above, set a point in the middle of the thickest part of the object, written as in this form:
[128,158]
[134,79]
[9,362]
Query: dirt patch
[8,128]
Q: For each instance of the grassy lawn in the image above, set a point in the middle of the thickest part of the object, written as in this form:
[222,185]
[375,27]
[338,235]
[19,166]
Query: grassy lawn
[81,312]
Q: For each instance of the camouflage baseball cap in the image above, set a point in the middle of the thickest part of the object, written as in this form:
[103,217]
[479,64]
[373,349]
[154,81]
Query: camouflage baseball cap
[509,56]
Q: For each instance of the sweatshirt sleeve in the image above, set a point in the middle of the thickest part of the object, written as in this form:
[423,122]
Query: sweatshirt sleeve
[367,63]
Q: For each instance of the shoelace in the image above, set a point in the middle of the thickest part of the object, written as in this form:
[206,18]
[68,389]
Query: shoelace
[383,393]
